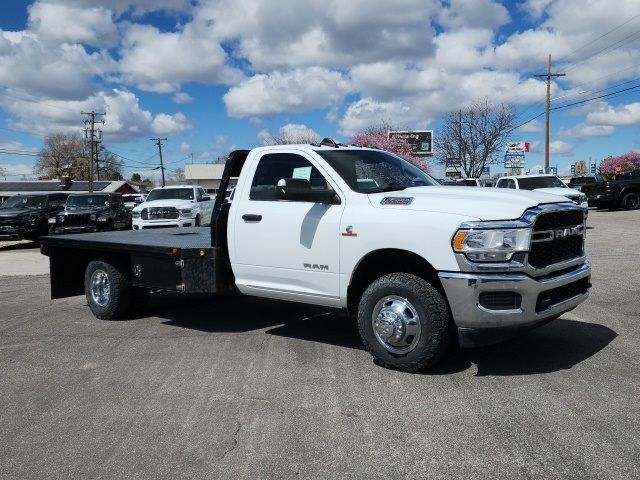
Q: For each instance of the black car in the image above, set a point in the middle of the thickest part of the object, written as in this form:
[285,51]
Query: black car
[578,182]
[26,216]
[91,212]
[623,192]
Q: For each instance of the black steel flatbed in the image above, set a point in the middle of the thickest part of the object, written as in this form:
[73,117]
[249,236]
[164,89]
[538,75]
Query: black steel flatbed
[156,241]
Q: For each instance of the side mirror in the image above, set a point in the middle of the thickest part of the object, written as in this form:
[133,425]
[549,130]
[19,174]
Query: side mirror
[205,198]
[299,189]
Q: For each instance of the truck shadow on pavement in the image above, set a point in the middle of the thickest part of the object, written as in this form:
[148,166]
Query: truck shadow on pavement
[247,314]
[557,346]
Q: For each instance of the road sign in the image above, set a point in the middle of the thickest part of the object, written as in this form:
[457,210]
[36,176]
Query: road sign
[520,147]
[486,170]
[573,169]
[593,168]
[553,170]
[421,141]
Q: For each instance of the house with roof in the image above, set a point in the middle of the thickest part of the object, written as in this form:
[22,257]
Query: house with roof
[27,187]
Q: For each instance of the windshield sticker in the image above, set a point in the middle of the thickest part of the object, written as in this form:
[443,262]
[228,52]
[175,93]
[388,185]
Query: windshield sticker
[302,172]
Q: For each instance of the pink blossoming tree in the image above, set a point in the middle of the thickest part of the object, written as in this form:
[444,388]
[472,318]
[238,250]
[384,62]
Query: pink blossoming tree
[378,136]
[612,166]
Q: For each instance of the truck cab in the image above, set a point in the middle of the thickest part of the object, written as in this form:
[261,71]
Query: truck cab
[419,265]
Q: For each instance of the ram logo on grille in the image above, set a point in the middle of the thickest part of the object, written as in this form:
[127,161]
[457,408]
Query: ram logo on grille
[567,232]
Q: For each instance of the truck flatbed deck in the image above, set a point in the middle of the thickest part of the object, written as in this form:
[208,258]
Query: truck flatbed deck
[158,241]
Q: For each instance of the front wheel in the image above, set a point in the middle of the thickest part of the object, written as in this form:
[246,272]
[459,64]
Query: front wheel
[631,201]
[404,322]
[107,289]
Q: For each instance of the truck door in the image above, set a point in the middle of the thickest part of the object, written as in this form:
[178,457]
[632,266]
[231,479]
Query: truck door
[285,246]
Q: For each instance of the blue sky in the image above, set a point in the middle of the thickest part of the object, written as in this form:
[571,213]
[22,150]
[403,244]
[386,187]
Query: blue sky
[213,75]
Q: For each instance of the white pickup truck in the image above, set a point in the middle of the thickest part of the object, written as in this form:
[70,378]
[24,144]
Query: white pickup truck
[173,206]
[357,229]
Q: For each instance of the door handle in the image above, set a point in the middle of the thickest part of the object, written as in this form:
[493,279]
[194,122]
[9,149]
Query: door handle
[251,217]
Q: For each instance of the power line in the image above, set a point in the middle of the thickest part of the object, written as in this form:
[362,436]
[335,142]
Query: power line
[610,48]
[598,38]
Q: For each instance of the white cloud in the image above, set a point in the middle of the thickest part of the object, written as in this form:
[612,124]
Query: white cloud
[59,23]
[125,119]
[182,97]
[165,124]
[605,114]
[185,148]
[161,61]
[558,147]
[473,14]
[15,171]
[35,67]
[534,126]
[582,130]
[293,91]
[264,136]
[367,111]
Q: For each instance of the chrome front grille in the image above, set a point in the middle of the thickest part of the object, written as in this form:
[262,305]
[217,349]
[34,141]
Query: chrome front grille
[159,213]
[557,237]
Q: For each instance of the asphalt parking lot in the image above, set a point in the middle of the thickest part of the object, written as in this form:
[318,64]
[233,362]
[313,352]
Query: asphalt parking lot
[248,388]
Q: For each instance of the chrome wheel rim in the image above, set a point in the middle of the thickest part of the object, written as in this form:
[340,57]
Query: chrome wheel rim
[396,324]
[100,288]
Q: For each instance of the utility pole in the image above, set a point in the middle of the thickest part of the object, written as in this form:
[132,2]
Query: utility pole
[548,76]
[93,135]
[158,142]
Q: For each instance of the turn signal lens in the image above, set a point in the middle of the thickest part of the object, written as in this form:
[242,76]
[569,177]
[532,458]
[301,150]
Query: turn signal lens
[458,240]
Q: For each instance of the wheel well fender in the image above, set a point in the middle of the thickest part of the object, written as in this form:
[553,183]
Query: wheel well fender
[377,263]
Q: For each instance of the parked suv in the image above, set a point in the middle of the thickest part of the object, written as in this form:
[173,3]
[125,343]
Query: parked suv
[579,182]
[174,206]
[545,184]
[25,216]
[623,192]
[91,212]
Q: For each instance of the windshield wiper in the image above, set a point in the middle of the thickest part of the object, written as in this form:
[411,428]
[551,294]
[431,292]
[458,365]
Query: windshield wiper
[388,188]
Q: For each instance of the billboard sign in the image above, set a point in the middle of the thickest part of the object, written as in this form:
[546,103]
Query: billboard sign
[520,147]
[421,141]
[514,161]
[593,168]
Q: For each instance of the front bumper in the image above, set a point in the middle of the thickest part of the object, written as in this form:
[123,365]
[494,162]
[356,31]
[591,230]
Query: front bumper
[139,224]
[463,292]
[16,232]
[76,229]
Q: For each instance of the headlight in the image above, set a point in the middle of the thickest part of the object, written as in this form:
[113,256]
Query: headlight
[52,220]
[102,219]
[186,212]
[135,214]
[497,245]
[583,198]
[92,217]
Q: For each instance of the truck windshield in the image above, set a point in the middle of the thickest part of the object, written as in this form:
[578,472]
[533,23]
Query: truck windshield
[372,171]
[25,201]
[170,194]
[82,201]
[540,182]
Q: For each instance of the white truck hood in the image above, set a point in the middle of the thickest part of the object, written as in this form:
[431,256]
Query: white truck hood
[482,203]
[165,203]
[559,191]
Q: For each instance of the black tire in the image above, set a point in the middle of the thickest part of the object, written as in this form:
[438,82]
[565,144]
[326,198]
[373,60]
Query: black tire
[631,201]
[120,291]
[433,316]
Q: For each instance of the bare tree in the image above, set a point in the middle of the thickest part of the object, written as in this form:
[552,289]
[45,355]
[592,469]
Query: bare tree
[292,135]
[62,154]
[3,172]
[475,136]
[176,177]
